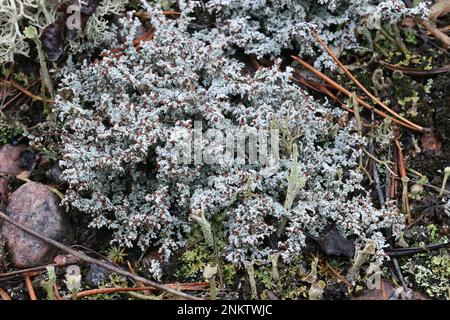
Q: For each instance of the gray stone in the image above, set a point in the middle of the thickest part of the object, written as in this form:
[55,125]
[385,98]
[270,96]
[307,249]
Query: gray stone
[36,207]
[97,276]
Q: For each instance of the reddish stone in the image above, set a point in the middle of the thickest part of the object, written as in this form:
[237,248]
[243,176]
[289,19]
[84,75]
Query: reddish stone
[36,207]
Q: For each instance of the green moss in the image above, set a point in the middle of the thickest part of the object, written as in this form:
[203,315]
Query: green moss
[194,260]
[429,272]
[410,37]
[264,277]
[414,97]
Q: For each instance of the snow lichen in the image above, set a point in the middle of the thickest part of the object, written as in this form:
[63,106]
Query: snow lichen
[126,114]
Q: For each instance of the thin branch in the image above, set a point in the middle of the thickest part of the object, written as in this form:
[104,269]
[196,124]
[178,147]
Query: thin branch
[22,272]
[374,98]
[405,180]
[181,286]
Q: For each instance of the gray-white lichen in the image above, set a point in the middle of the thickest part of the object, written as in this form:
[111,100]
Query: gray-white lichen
[124,116]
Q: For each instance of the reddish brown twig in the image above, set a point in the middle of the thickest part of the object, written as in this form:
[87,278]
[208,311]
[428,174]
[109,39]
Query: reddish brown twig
[29,286]
[14,84]
[441,36]
[338,87]
[145,15]
[353,78]
[393,193]
[19,94]
[179,286]
[4,295]
[319,87]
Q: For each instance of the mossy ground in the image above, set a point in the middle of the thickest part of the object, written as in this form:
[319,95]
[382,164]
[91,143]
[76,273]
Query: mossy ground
[423,99]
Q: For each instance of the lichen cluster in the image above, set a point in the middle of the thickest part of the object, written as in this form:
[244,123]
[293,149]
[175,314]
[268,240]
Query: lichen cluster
[16,15]
[266,27]
[429,271]
[120,119]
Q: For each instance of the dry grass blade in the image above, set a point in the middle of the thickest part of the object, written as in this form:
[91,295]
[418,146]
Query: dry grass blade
[100,263]
[352,77]
[338,87]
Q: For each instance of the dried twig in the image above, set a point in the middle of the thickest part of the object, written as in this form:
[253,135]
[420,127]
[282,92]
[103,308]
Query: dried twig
[338,87]
[376,177]
[398,272]
[145,15]
[91,260]
[16,96]
[436,32]
[22,272]
[14,84]
[415,72]
[180,286]
[415,250]
[353,78]
[118,52]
